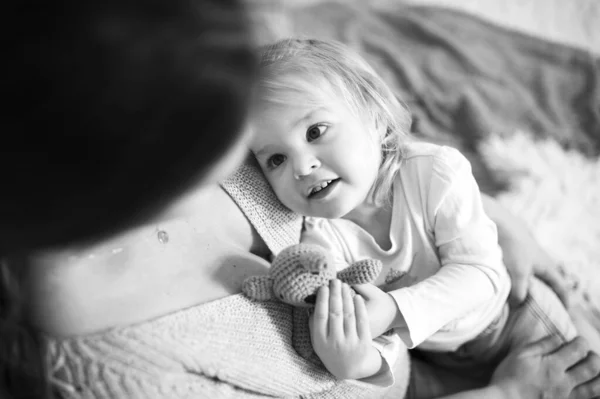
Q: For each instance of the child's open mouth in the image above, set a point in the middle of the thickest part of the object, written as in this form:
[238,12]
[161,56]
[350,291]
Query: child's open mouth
[321,191]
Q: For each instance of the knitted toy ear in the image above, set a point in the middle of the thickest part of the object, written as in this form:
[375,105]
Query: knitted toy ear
[361,272]
[259,288]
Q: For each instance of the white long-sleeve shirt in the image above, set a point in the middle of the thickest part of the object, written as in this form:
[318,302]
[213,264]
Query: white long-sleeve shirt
[444,268]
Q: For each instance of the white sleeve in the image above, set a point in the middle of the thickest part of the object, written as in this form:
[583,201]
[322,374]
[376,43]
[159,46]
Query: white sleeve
[389,349]
[471,271]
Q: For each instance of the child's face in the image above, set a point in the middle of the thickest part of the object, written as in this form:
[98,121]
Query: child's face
[321,161]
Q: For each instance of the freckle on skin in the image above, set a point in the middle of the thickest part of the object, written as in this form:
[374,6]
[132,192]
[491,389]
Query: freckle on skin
[163,237]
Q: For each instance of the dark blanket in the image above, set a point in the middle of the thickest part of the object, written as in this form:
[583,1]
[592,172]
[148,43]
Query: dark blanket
[465,78]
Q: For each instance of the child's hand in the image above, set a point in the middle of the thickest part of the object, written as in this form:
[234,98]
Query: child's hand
[381,307]
[340,333]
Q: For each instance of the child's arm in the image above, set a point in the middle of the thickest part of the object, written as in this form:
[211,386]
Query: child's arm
[466,241]
[341,335]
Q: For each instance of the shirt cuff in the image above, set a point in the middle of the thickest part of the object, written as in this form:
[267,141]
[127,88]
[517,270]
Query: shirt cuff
[410,335]
[384,378]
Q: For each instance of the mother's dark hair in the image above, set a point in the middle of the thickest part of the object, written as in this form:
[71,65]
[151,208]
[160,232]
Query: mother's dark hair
[115,107]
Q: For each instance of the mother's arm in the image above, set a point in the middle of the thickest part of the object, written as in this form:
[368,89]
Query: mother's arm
[545,367]
[523,255]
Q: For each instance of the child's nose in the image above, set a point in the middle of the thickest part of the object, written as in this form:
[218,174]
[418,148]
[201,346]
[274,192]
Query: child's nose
[304,165]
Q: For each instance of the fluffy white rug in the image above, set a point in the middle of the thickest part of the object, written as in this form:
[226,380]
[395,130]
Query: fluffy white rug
[557,192]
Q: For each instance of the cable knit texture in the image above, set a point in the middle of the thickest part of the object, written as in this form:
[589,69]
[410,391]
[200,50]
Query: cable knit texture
[229,348]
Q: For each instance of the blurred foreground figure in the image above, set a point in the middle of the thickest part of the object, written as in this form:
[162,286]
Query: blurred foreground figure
[114,109]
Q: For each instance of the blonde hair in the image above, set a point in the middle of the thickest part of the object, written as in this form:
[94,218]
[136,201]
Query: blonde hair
[292,67]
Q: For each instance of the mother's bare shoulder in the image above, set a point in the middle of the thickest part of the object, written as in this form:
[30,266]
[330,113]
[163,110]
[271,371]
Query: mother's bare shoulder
[199,251]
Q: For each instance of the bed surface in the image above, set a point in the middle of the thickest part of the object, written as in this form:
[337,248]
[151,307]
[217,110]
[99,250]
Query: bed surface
[573,22]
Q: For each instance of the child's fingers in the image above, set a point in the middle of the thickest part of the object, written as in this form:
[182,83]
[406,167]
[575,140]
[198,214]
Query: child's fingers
[336,309]
[320,316]
[349,318]
[367,291]
[363,328]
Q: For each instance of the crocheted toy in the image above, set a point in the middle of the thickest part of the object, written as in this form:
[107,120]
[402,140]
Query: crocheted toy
[299,270]
[295,276]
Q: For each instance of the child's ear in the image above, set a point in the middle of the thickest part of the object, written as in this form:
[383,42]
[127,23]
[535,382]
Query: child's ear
[259,288]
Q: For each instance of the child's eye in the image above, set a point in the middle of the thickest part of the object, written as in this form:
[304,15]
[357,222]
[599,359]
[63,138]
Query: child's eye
[315,131]
[276,160]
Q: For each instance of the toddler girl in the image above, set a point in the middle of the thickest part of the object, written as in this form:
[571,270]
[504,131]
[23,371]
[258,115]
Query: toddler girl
[333,142]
